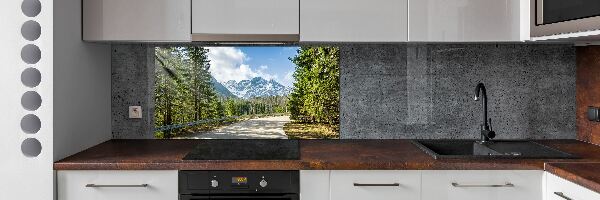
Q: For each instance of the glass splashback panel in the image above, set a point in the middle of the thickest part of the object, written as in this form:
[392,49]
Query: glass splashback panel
[246,92]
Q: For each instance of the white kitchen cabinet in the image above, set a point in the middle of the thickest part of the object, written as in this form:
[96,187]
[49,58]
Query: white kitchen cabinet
[468,20]
[245,20]
[117,185]
[136,20]
[482,185]
[560,189]
[314,185]
[375,185]
[353,21]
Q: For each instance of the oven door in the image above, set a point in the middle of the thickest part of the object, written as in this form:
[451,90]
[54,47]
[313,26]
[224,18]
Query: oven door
[240,197]
[552,17]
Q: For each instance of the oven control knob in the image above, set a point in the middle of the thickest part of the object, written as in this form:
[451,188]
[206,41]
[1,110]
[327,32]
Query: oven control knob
[263,183]
[214,183]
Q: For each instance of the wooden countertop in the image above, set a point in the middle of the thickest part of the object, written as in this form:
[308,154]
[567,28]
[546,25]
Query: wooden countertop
[331,155]
[314,154]
[584,174]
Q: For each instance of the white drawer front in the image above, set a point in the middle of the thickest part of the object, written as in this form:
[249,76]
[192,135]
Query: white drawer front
[567,189]
[162,185]
[482,185]
[343,188]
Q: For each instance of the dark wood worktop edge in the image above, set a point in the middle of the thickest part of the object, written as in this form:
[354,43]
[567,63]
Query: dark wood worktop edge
[574,177]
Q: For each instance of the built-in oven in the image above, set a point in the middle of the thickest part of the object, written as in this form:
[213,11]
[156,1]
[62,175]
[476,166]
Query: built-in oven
[237,185]
[552,17]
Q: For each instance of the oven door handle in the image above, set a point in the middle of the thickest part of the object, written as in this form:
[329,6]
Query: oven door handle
[240,196]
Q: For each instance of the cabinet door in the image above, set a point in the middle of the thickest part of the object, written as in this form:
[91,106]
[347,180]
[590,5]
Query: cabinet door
[314,185]
[375,185]
[482,184]
[117,185]
[353,20]
[468,20]
[136,20]
[560,189]
[270,19]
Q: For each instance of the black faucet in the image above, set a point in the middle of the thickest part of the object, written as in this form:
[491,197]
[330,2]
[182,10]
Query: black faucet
[486,129]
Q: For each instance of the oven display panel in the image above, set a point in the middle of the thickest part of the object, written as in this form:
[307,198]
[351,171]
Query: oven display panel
[239,180]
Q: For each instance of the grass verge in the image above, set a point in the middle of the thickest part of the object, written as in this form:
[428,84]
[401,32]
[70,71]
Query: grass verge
[300,130]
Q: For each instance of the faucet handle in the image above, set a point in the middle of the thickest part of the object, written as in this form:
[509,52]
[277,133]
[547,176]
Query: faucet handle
[491,133]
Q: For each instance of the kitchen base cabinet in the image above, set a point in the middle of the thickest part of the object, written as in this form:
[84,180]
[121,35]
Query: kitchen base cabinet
[314,185]
[560,189]
[375,185]
[482,185]
[117,185]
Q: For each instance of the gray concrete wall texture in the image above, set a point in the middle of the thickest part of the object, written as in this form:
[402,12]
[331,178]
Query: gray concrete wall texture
[132,85]
[426,90]
[411,90]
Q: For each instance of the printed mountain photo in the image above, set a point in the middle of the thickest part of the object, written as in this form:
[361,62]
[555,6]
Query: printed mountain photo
[282,92]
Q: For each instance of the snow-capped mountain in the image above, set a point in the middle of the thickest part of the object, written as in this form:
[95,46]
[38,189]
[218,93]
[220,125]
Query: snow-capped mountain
[220,88]
[256,87]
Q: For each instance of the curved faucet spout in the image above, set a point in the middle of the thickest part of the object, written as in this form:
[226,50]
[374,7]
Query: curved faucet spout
[486,132]
[481,88]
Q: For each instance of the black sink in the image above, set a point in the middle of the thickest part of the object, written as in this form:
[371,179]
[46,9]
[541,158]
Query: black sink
[495,149]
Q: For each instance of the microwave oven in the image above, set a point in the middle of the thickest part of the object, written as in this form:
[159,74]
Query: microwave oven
[554,17]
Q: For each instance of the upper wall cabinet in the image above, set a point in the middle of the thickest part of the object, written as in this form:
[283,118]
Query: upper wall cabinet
[136,20]
[353,21]
[468,20]
[245,20]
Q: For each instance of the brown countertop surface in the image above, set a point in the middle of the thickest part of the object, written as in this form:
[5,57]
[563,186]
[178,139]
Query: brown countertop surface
[331,155]
[584,174]
[314,154]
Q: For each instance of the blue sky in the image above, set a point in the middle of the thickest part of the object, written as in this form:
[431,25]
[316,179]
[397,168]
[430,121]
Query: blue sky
[241,63]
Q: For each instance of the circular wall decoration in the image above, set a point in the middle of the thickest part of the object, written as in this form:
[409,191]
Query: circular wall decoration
[31,100]
[31,124]
[31,54]
[31,8]
[31,77]
[31,30]
[31,147]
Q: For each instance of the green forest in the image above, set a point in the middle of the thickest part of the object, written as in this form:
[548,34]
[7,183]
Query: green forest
[316,94]
[186,100]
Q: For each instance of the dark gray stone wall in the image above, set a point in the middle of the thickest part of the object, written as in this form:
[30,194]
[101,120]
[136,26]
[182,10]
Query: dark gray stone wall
[410,90]
[426,90]
[132,85]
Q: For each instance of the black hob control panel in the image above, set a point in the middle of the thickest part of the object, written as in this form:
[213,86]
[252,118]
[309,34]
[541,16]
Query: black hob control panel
[238,182]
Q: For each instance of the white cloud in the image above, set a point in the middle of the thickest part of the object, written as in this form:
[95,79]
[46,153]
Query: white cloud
[228,63]
[288,79]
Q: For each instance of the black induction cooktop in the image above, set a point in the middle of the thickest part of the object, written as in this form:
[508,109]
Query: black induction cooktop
[245,149]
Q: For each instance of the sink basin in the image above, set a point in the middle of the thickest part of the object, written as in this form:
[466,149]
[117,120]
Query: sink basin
[496,149]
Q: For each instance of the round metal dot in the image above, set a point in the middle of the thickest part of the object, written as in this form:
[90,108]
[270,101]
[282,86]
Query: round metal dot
[31,147]
[31,77]
[31,54]
[31,100]
[30,124]
[31,30]
[31,8]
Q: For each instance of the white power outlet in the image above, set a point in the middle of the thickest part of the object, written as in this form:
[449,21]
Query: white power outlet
[135,112]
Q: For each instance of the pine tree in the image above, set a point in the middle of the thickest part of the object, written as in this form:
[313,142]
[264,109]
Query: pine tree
[315,97]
